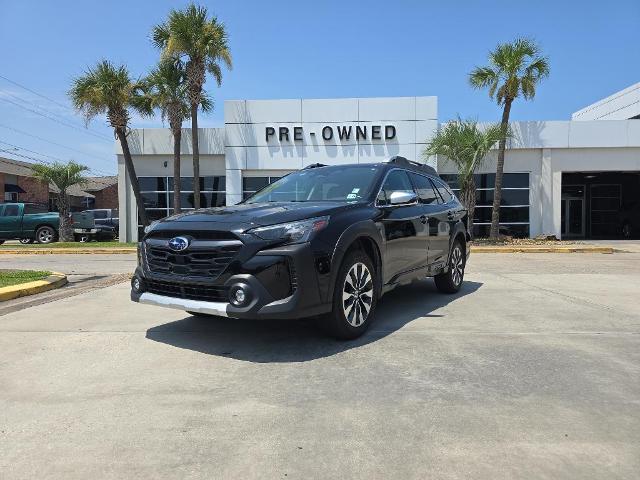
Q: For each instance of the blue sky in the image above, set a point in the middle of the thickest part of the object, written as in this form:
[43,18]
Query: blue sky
[293,49]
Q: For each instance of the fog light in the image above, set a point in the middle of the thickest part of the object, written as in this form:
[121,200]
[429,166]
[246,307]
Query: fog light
[240,296]
[137,284]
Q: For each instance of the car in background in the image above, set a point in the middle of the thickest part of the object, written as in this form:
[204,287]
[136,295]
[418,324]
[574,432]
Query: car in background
[107,217]
[28,222]
[87,229]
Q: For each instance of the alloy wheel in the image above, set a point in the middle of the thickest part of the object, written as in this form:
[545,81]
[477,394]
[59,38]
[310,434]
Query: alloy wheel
[457,266]
[357,294]
[45,235]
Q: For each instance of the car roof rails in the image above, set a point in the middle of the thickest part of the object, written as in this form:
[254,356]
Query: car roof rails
[398,160]
[314,165]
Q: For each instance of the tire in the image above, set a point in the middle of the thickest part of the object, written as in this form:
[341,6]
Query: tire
[1,242]
[26,241]
[356,289]
[626,230]
[46,234]
[451,280]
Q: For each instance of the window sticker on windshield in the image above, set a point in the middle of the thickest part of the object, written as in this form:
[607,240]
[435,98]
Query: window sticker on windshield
[351,196]
[355,190]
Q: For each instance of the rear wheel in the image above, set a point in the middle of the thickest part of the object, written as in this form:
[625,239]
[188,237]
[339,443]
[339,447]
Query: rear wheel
[354,297]
[26,241]
[46,234]
[451,280]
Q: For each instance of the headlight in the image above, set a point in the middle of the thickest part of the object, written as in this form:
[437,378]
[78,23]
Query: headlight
[293,232]
[149,227]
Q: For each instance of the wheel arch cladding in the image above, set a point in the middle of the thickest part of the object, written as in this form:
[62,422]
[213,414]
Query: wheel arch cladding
[364,236]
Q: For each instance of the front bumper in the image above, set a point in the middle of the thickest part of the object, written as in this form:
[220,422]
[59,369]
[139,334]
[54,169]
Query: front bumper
[263,280]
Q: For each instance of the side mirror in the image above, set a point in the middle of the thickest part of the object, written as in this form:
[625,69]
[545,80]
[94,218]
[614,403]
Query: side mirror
[402,197]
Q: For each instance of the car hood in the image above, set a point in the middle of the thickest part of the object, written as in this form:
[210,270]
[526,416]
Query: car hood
[258,214]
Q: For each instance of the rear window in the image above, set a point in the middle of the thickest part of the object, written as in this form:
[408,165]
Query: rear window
[443,190]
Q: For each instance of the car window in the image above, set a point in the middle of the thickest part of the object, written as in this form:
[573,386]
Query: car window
[424,188]
[31,209]
[99,214]
[396,181]
[443,190]
[10,211]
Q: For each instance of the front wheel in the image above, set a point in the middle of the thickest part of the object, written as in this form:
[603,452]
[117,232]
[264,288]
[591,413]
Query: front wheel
[451,280]
[46,234]
[354,297]
[26,241]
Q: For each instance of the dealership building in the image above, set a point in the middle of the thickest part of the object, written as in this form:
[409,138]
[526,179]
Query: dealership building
[578,178]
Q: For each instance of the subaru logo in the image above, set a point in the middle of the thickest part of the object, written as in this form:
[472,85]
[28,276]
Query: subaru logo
[177,244]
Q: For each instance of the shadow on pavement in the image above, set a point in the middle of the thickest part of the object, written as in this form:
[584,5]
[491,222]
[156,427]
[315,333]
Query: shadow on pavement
[266,341]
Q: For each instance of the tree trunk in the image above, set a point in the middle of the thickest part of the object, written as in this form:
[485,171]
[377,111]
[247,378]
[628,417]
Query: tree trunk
[131,173]
[497,192]
[468,197]
[195,148]
[177,136]
[65,230]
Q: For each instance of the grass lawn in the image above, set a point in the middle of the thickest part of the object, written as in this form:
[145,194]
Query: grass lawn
[14,277]
[70,245]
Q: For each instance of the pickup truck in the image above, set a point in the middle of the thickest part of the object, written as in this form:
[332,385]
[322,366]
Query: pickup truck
[28,221]
[105,216]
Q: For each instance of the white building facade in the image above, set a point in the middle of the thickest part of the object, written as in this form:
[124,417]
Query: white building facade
[567,178]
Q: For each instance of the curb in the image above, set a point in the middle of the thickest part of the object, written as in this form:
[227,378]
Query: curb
[541,249]
[55,280]
[66,251]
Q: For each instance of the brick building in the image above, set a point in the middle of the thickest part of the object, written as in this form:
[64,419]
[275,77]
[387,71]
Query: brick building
[17,184]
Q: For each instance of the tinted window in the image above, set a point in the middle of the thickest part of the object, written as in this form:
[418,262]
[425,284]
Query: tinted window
[99,214]
[114,213]
[396,181]
[29,209]
[424,189]
[150,184]
[11,211]
[444,191]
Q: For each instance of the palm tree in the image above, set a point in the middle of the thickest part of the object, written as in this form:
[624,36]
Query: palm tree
[466,145]
[166,90]
[202,41]
[109,89]
[62,176]
[514,69]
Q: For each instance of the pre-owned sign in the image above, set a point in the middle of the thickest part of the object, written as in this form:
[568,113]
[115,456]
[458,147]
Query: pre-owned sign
[328,132]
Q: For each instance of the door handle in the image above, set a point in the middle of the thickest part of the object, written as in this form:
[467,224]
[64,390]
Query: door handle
[423,219]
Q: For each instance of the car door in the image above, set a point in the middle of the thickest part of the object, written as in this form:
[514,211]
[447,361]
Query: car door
[449,212]
[11,221]
[434,211]
[404,232]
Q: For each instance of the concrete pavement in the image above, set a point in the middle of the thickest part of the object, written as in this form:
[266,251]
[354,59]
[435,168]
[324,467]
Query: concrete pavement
[530,372]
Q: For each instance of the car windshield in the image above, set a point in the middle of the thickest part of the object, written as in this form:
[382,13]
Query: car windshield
[335,184]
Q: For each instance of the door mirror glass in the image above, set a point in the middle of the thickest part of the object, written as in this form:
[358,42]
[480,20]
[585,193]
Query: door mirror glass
[401,197]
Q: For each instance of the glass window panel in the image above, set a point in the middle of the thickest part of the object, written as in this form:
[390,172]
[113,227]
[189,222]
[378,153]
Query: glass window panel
[443,189]
[509,197]
[156,214]
[155,200]
[207,199]
[509,180]
[150,184]
[30,209]
[604,203]
[10,211]
[605,190]
[253,184]
[451,180]
[507,214]
[208,183]
[424,189]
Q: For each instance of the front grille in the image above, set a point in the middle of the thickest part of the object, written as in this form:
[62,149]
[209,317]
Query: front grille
[188,292]
[205,261]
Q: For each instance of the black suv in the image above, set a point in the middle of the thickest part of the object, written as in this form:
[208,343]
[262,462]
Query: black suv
[325,240]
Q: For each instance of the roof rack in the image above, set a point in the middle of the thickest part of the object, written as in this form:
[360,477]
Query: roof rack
[397,159]
[314,165]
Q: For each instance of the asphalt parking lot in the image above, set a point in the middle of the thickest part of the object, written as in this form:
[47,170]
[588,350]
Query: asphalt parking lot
[531,371]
